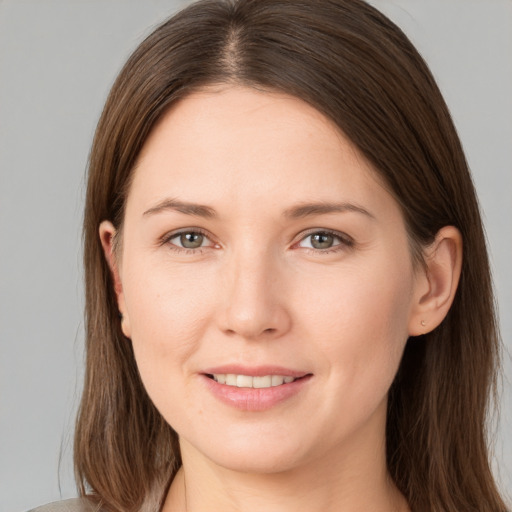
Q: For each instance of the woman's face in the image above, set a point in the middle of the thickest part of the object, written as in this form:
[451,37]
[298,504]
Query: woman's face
[259,248]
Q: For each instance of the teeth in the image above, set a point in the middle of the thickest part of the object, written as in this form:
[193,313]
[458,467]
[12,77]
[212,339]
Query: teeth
[262,382]
[246,381]
[243,381]
[230,379]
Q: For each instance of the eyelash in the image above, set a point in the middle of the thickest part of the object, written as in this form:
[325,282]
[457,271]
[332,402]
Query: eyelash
[345,242]
[166,240]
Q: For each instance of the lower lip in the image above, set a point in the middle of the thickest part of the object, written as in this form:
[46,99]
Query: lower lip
[255,399]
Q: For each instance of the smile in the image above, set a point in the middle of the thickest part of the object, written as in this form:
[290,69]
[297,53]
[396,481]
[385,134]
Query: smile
[248,381]
[265,390]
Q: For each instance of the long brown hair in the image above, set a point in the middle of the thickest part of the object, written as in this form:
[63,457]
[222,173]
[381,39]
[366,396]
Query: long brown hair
[356,67]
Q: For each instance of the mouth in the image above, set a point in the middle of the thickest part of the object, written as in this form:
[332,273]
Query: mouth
[255,388]
[255,382]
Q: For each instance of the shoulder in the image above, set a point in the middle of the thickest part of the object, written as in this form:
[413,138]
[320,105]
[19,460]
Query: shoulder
[73,505]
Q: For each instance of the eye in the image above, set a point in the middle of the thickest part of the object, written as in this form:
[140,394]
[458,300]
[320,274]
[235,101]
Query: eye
[188,240]
[325,240]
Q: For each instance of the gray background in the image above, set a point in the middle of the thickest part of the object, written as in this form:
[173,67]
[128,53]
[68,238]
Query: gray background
[58,59]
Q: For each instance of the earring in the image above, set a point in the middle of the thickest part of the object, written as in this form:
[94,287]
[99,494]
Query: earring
[423,323]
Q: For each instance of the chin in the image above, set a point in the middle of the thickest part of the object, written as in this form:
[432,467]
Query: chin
[261,463]
[254,454]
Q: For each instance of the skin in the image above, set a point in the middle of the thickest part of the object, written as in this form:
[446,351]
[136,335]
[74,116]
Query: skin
[260,291]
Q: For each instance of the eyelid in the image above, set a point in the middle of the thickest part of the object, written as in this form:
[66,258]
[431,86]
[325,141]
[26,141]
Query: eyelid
[345,240]
[166,239]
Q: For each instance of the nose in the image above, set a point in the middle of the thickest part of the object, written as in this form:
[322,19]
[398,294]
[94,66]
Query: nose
[254,299]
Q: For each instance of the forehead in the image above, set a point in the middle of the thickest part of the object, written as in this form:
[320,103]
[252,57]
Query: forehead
[247,147]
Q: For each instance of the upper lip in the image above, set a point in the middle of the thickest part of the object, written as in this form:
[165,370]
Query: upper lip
[254,371]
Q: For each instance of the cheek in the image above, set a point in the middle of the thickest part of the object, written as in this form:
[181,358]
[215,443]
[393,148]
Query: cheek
[167,301]
[359,320]
[169,311]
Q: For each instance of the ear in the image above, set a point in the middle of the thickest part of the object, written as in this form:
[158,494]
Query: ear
[107,234]
[437,282]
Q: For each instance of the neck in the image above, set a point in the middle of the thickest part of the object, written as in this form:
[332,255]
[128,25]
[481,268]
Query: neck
[279,493]
[353,478]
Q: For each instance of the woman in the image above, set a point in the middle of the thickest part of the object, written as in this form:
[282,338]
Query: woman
[288,295]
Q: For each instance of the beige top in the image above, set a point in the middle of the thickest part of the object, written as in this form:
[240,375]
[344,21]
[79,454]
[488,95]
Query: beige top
[73,505]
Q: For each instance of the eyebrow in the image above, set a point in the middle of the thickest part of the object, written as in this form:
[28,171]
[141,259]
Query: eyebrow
[198,210]
[296,212]
[323,208]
